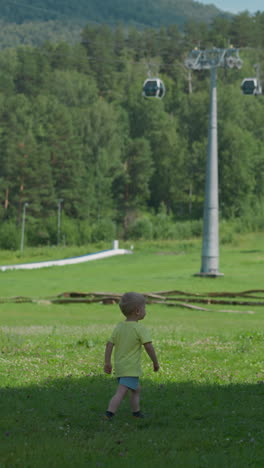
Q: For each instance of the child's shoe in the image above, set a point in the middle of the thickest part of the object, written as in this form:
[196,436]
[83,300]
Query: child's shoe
[138,414]
[109,416]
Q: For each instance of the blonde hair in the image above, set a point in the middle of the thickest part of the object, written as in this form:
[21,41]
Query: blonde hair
[130,302]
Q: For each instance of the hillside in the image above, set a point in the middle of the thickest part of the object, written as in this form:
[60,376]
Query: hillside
[33,23]
[141,12]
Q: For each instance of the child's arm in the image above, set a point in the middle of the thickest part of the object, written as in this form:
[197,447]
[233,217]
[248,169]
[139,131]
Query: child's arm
[151,352]
[108,354]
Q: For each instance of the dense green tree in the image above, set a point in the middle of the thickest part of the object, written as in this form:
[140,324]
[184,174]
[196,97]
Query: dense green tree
[32,71]
[131,187]
[101,143]
[75,127]
[237,177]
[219,33]
[18,149]
[99,43]
[258,22]
[242,29]
[238,150]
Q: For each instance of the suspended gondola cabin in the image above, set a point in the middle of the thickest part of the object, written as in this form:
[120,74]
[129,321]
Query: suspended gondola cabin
[153,88]
[251,86]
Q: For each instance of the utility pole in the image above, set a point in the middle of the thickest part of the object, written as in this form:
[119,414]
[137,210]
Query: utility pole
[59,220]
[23,227]
[189,81]
[211,60]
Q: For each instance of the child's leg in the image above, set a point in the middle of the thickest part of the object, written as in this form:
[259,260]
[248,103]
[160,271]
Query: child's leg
[117,398]
[135,399]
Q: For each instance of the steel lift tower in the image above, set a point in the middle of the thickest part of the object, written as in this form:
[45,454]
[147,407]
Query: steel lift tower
[211,60]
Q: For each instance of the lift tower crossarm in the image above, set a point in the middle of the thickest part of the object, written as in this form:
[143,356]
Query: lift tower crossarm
[206,59]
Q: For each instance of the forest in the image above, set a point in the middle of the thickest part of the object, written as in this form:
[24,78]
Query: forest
[135,12]
[76,133]
[33,23]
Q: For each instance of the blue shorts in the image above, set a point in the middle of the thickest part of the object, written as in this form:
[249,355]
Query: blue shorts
[130,382]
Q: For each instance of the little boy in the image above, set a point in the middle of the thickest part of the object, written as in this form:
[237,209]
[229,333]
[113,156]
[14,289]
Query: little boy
[128,338]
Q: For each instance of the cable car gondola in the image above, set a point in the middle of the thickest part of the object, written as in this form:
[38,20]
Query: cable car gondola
[153,88]
[251,86]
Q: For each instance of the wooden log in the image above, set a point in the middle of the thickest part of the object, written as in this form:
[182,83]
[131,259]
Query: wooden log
[76,300]
[192,307]
[215,301]
[248,292]
[89,294]
[154,296]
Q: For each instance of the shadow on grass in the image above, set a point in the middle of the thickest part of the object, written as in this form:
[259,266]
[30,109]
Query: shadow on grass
[251,251]
[59,423]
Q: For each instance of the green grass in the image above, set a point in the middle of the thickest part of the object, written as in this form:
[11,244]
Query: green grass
[205,406]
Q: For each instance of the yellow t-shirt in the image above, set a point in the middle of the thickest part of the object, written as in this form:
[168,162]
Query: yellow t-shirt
[128,338]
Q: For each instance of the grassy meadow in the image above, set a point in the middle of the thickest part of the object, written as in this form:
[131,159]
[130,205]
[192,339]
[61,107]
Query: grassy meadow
[204,408]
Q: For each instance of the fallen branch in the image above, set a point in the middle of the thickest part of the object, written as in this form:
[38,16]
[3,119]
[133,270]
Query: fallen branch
[16,299]
[189,306]
[215,301]
[162,297]
[247,293]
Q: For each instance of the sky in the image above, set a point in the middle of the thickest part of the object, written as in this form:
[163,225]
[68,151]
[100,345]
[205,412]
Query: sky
[236,6]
